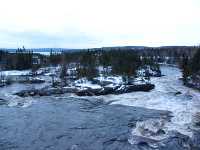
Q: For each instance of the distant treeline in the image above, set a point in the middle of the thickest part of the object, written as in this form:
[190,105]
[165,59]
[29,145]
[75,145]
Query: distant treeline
[168,54]
[20,60]
[122,60]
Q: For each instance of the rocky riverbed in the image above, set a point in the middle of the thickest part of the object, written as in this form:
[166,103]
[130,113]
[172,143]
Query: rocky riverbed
[165,118]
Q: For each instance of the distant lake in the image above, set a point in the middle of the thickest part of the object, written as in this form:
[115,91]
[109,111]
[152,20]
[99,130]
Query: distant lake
[43,53]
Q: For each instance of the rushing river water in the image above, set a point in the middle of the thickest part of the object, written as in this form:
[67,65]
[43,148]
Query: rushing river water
[169,94]
[57,122]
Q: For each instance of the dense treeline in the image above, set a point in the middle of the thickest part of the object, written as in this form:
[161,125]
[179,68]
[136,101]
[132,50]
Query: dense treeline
[20,60]
[195,62]
[191,67]
[113,62]
[126,60]
[166,54]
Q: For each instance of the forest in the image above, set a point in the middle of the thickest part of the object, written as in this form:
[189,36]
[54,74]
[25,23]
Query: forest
[114,62]
[122,61]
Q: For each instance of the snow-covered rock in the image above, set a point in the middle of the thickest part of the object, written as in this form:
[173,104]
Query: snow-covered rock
[35,80]
[194,81]
[85,84]
[149,71]
[114,80]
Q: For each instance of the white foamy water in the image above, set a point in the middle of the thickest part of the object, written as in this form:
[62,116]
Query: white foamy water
[14,100]
[164,97]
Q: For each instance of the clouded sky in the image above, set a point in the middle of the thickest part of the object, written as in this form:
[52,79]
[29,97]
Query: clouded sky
[97,23]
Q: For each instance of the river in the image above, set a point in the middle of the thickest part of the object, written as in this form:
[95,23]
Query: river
[103,122]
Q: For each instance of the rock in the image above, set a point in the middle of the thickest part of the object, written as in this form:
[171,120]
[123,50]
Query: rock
[160,132]
[84,93]
[142,141]
[176,141]
[102,83]
[26,93]
[2,84]
[3,102]
[196,140]
[47,91]
[35,80]
[151,128]
[108,90]
[69,89]
[193,81]
[178,93]
[116,90]
[196,119]
[143,87]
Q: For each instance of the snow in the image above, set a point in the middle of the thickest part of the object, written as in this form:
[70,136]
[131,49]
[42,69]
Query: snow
[84,83]
[36,78]
[111,85]
[16,72]
[112,79]
[142,71]
[40,71]
[140,80]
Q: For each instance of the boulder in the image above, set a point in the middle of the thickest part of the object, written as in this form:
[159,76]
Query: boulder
[35,80]
[178,93]
[26,93]
[3,102]
[115,90]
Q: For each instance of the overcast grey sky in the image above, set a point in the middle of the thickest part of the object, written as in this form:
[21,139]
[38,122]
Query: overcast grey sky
[97,23]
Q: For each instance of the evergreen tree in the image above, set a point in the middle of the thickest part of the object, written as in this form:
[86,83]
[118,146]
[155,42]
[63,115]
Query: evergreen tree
[195,63]
[186,71]
[87,65]
[63,74]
